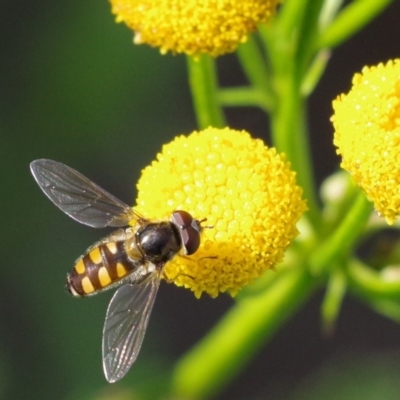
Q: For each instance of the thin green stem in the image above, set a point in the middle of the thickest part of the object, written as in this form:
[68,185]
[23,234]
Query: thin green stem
[255,67]
[288,117]
[336,208]
[287,21]
[328,12]
[242,97]
[314,73]
[370,282]
[333,299]
[214,361]
[290,136]
[344,237]
[387,307]
[352,19]
[307,34]
[203,83]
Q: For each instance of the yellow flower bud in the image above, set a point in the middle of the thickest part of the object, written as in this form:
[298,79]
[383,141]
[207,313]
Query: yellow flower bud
[193,26]
[367,135]
[248,194]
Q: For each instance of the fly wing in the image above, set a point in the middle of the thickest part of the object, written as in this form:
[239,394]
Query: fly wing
[125,325]
[79,197]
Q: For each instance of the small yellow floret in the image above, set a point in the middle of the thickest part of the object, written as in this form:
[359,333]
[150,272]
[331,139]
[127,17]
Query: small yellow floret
[193,26]
[246,191]
[367,134]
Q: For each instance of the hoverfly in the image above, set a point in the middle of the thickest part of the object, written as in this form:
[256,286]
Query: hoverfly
[133,257]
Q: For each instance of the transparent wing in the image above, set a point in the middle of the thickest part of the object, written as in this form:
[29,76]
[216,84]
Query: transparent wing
[79,197]
[125,325]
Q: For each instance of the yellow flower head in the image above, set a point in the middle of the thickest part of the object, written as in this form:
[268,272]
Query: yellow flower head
[246,191]
[193,26]
[367,134]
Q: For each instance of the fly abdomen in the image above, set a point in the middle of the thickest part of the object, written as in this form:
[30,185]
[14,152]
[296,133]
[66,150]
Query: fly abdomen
[99,268]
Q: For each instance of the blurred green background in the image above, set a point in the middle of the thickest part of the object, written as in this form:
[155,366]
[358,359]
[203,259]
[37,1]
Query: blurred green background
[74,88]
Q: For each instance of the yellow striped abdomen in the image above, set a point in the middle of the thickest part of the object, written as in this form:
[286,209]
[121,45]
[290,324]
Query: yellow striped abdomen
[100,267]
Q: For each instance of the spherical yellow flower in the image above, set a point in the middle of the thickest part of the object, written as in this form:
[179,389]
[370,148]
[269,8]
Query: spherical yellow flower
[246,191]
[193,26]
[367,134]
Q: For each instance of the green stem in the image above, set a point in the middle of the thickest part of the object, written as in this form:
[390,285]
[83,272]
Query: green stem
[203,83]
[352,19]
[328,12]
[344,237]
[308,32]
[333,299]
[314,73]
[288,18]
[214,361]
[371,282]
[255,67]
[290,136]
[336,208]
[242,97]
[388,307]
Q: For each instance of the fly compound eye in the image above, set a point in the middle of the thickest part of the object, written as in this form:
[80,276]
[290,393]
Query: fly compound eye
[189,229]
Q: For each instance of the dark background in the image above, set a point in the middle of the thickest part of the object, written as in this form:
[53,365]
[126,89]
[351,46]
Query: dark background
[74,88]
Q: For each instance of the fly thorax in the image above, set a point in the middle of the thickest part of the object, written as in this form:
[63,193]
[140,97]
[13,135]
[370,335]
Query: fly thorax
[159,241]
